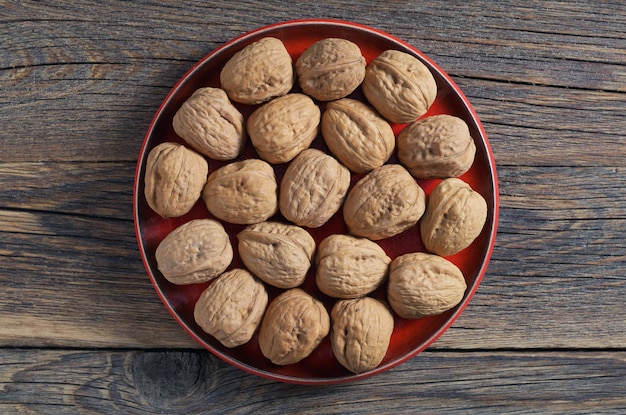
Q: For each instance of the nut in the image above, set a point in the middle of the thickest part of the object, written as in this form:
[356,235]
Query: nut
[277,253]
[399,86]
[282,128]
[330,69]
[295,323]
[313,188]
[384,203]
[231,308]
[175,176]
[361,333]
[454,217]
[438,146]
[242,192]
[422,284]
[357,135]
[195,252]
[259,72]
[209,123]
[350,267]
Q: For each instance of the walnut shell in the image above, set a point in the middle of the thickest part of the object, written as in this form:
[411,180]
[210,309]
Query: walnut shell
[232,307]
[295,323]
[210,124]
[357,135]
[438,146]
[454,217]
[361,333]
[313,188]
[277,253]
[282,128]
[399,86]
[350,267]
[422,284]
[384,203]
[330,69]
[259,72]
[242,192]
[195,252]
[174,178]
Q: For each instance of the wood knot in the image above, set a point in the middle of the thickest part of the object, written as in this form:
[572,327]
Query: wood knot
[168,379]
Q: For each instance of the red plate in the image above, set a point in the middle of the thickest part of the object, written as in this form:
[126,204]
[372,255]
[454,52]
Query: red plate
[409,337]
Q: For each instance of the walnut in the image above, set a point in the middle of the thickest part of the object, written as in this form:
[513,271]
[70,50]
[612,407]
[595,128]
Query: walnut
[174,178]
[313,188]
[399,86]
[295,323]
[357,135]
[277,253]
[242,192]
[422,284]
[195,252]
[232,307]
[210,124]
[454,217]
[330,69]
[282,128]
[361,333]
[350,267]
[384,203]
[438,146]
[259,72]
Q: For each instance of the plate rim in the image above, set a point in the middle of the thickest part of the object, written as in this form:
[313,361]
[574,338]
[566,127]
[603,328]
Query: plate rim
[493,224]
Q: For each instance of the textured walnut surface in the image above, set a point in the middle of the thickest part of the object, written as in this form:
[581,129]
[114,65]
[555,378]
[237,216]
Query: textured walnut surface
[280,254]
[195,252]
[313,188]
[259,72]
[357,135]
[422,284]
[175,176]
[211,124]
[294,325]
[330,69]
[384,203]
[232,307]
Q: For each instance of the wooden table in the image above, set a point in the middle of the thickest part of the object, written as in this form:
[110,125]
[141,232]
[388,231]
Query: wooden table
[82,329]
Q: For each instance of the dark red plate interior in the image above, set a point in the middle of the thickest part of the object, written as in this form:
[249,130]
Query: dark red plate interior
[409,337]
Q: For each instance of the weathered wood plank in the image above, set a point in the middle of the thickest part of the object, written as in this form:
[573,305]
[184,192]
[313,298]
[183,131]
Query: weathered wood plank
[97,78]
[559,248]
[193,382]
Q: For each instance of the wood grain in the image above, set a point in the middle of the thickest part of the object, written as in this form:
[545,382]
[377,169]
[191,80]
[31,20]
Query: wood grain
[193,382]
[83,331]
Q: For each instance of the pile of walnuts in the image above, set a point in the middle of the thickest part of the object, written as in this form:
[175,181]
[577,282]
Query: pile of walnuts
[386,201]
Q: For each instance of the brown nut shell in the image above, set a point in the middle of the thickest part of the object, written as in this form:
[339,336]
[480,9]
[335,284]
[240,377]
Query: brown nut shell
[210,124]
[259,72]
[438,146]
[384,203]
[350,267]
[361,333]
[195,252]
[357,135]
[242,192]
[295,323]
[399,86]
[277,253]
[422,284]
[454,217]
[232,307]
[174,178]
[313,188]
[282,128]
[330,69]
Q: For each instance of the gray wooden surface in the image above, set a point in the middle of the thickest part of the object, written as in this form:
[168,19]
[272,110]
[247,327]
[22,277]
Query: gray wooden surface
[83,331]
